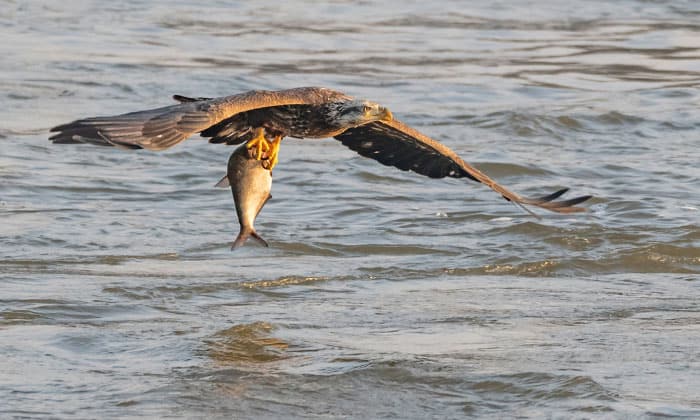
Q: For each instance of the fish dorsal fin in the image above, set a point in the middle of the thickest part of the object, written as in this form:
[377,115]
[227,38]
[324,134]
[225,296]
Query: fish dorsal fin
[184,99]
[223,183]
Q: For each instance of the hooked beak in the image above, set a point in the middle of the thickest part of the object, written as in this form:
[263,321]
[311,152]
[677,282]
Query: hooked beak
[385,114]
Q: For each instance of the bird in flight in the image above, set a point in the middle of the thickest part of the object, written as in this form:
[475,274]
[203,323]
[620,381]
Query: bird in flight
[261,119]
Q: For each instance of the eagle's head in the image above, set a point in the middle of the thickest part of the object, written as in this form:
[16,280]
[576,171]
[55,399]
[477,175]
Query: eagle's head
[356,112]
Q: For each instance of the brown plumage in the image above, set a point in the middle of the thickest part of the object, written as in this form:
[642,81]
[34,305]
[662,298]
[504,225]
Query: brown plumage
[161,128]
[311,112]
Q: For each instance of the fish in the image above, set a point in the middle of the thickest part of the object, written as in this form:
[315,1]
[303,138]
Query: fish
[250,181]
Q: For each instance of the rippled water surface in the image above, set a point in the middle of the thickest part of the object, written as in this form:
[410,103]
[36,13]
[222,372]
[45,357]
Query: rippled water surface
[383,294]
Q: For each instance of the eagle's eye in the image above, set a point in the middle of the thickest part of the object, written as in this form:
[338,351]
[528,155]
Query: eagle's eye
[366,109]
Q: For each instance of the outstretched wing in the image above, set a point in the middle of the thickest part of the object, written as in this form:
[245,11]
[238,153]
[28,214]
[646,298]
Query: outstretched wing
[393,143]
[161,128]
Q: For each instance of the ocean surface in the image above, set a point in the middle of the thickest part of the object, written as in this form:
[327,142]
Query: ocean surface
[383,294]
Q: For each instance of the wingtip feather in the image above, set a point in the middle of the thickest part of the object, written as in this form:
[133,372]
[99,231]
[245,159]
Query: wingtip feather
[564,206]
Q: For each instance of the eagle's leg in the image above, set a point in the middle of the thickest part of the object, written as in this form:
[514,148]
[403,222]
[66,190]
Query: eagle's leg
[260,143]
[273,153]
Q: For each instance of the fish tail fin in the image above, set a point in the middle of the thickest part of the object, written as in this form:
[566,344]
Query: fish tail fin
[244,235]
[223,182]
[255,235]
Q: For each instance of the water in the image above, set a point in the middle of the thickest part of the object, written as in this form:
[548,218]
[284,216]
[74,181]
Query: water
[383,294]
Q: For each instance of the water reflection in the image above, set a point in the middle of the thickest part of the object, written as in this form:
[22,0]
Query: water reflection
[246,343]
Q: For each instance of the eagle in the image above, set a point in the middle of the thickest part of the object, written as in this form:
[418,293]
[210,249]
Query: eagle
[262,118]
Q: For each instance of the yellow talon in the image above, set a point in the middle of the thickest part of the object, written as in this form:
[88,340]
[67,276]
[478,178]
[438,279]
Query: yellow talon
[273,154]
[259,142]
[265,149]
